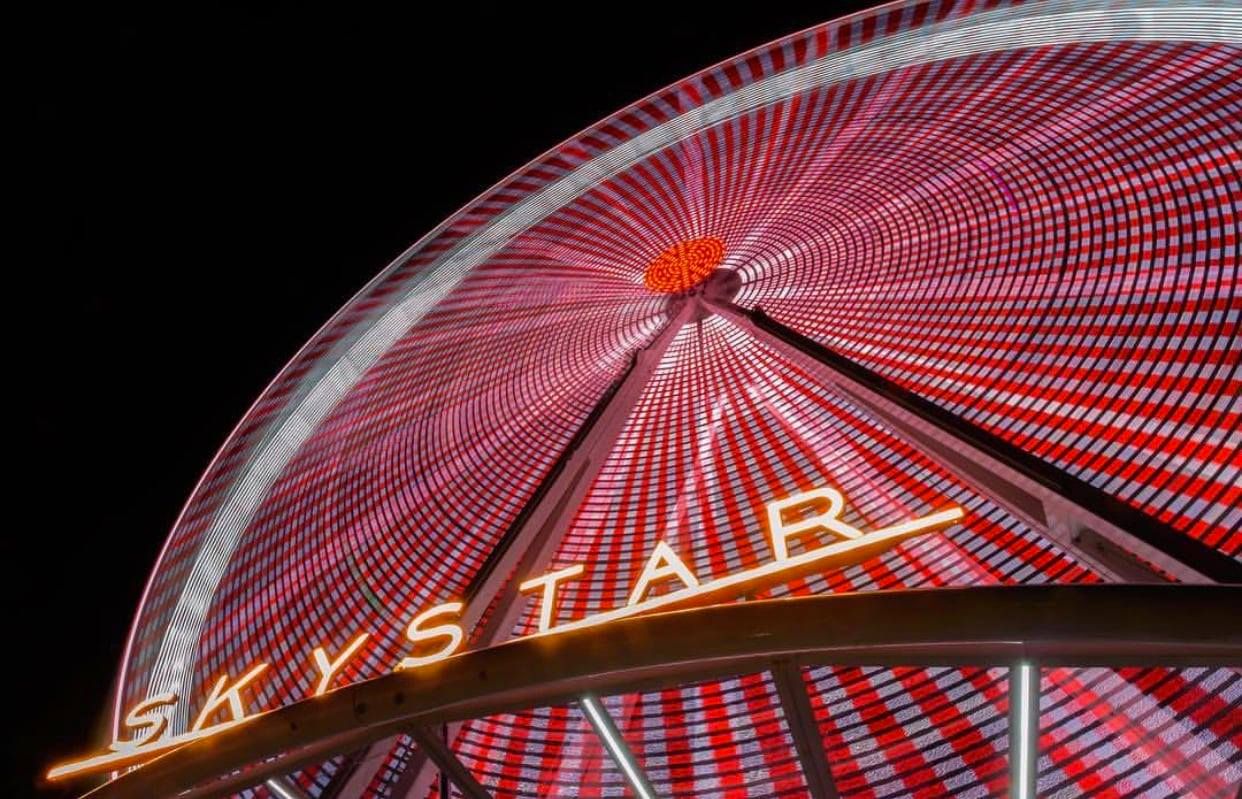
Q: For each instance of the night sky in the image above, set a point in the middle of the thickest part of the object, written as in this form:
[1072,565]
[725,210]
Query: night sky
[205,190]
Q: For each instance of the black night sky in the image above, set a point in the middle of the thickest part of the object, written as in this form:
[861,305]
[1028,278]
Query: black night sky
[206,190]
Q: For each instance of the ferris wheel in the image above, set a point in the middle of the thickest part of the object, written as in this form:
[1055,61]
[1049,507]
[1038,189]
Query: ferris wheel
[969,256]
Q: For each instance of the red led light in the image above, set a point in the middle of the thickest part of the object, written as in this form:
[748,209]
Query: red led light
[684,265]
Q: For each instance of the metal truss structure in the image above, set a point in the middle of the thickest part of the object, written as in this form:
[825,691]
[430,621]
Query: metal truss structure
[1018,628]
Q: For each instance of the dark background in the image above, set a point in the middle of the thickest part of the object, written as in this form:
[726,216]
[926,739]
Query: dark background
[204,191]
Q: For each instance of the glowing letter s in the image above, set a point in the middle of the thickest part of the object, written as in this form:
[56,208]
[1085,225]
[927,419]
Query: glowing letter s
[452,632]
[148,726]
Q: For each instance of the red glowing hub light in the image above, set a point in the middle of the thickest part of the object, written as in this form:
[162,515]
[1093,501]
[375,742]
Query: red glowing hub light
[684,265]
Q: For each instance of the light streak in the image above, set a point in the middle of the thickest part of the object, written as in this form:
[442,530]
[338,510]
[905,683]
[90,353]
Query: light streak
[619,751]
[114,761]
[280,790]
[1024,732]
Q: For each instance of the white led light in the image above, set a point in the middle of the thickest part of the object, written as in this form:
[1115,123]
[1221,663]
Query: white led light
[1026,737]
[280,790]
[1024,720]
[604,729]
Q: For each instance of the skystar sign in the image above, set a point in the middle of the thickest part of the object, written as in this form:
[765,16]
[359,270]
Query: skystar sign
[801,519]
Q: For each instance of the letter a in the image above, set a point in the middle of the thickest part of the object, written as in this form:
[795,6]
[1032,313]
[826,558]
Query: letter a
[232,697]
[662,564]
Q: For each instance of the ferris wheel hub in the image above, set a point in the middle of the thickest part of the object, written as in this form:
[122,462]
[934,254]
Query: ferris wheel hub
[684,265]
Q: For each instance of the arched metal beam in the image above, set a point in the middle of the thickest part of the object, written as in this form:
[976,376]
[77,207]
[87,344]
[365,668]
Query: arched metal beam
[1078,625]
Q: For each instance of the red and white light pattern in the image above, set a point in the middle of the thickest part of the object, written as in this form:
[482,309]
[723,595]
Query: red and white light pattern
[1041,236]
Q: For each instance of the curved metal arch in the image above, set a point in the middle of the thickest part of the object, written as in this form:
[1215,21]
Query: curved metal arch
[1068,625]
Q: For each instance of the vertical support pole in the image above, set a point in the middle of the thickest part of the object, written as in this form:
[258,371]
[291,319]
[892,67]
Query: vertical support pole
[1023,729]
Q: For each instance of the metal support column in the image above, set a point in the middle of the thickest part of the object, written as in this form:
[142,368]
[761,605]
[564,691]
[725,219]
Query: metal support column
[1023,729]
[439,753]
[800,718]
[531,545]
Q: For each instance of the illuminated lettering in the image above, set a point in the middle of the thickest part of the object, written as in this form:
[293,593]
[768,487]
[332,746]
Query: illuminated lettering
[810,513]
[416,634]
[147,725]
[220,696]
[327,668]
[549,582]
[782,530]
[662,565]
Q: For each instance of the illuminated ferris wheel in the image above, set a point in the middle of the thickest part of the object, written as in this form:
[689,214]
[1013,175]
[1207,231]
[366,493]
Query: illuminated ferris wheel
[973,259]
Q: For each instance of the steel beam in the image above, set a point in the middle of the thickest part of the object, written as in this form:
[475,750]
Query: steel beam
[1117,539]
[536,540]
[800,719]
[1056,625]
[439,753]
[356,773]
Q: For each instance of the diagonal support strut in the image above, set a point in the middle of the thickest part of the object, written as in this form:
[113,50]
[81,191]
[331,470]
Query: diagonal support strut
[609,735]
[438,752]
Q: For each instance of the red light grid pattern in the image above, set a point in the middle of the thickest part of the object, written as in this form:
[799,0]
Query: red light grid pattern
[1053,255]
[1157,732]
[725,424]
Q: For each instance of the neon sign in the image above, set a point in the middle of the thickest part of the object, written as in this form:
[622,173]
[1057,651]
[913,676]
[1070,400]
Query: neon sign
[800,520]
